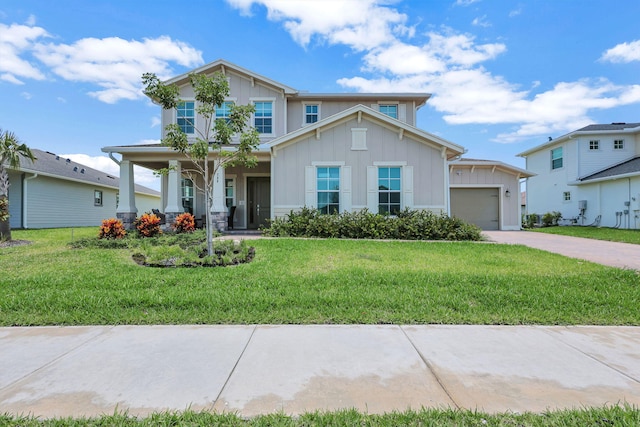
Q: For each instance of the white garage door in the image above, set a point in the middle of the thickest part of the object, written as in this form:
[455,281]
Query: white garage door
[479,206]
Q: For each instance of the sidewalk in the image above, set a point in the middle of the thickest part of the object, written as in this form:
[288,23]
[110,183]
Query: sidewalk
[251,370]
[614,254]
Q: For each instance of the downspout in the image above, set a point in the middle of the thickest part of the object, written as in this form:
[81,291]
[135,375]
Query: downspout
[25,200]
[117,162]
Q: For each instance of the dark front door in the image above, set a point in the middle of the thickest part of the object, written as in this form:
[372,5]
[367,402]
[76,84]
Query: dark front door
[259,200]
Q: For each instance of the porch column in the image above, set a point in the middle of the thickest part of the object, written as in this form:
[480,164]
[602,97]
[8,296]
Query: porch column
[219,210]
[174,196]
[126,210]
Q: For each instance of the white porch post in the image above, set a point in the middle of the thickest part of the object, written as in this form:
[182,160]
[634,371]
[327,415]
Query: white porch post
[174,198]
[126,210]
[219,211]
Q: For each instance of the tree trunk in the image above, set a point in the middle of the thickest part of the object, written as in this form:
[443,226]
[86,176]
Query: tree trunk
[5,226]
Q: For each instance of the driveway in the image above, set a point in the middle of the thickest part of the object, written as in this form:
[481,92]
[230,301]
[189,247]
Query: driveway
[622,255]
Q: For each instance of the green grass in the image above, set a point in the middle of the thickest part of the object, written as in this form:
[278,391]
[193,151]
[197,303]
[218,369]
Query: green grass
[625,416]
[293,281]
[610,234]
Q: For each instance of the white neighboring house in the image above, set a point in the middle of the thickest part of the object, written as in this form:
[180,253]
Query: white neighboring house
[591,176]
[332,151]
[57,192]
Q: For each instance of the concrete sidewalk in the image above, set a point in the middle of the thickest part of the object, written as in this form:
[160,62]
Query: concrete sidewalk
[614,254]
[251,370]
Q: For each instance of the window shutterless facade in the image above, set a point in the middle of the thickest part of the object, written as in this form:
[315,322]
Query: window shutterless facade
[223,111]
[311,113]
[97,198]
[229,191]
[556,158]
[187,195]
[389,190]
[594,144]
[186,116]
[263,117]
[328,189]
[566,196]
[390,110]
[618,144]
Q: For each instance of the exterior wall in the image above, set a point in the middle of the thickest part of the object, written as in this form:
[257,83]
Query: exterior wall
[328,108]
[591,161]
[483,177]
[15,199]
[608,197]
[335,148]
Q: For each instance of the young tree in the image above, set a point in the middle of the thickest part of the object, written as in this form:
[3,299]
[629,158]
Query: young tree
[10,152]
[213,136]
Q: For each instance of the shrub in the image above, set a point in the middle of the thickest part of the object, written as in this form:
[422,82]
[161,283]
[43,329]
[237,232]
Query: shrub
[551,218]
[148,225]
[112,228]
[184,223]
[407,225]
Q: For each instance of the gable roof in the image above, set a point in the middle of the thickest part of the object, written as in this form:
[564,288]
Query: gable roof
[222,66]
[495,164]
[625,169]
[593,129]
[360,111]
[53,165]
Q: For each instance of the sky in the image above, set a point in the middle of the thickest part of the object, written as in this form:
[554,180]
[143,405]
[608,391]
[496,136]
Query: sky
[504,75]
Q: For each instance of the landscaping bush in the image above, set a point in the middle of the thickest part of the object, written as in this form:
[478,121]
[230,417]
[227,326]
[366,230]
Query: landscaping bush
[407,225]
[184,223]
[225,252]
[551,218]
[148,225]
[112,228]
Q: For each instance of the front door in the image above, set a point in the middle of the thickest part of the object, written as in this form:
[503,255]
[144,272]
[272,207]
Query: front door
[259,200]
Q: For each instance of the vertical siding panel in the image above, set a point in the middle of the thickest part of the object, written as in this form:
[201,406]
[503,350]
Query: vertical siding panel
[345,188]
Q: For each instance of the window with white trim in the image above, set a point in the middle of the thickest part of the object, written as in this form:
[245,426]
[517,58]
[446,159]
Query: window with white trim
[566,196]
[618,144]
[556,158]
[187,194]
[390,110]
[186,116]
[223,111]
[229,191]
[594,144]
[263,117]
[389,190]
[311,113]
[328,189]
[97,198]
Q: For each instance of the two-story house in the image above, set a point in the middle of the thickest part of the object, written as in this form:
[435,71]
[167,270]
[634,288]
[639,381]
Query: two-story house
[591,176]
[331,151]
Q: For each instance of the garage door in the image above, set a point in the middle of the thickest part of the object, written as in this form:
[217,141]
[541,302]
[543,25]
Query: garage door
[479,206]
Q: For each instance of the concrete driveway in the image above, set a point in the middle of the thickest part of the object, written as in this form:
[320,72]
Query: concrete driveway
[622,255]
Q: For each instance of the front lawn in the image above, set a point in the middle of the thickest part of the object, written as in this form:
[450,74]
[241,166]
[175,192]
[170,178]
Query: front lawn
[294,281]
[610,234]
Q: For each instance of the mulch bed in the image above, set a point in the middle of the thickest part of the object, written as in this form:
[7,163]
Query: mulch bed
[11,243]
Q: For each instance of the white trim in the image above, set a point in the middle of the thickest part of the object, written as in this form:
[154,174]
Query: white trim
[304,112]
[253,101]
[195,116]
[325,164]
[501,197]
[387,164]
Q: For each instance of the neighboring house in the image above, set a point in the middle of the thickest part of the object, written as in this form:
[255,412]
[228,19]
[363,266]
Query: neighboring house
[57,192]
[591,176]
[337,152]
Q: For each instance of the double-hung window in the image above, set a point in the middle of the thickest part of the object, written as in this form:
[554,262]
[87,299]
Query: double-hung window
[223,111]
[186,119]
[97,198]
[556,158]
[311,113]
[389,190]
[263,117]
[328,189]
[390,110]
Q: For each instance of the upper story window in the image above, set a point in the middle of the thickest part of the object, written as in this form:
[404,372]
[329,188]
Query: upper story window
[556,158]
[223,111]
[390,110]
[618,144]
[328,189]
[311,113]
[186,116]
[566,196]
[97,198]
[263,117]
[594,144]
[389,184]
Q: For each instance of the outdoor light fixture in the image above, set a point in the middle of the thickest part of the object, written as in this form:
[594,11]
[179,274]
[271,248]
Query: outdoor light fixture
[507,193]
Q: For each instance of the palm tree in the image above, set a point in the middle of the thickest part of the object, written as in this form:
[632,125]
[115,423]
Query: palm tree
[10,152]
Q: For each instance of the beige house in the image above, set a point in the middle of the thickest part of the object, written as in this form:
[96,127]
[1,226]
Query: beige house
[334,152]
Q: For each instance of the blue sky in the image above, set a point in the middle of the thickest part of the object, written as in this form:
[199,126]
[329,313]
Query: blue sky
[504,75]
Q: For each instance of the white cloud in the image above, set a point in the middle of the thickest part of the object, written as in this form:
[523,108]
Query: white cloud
[515,12]
[623,53]
[155,121]
[142,175]
[15,41]
[465,2]
[481,21]
[115,64]
[26,95]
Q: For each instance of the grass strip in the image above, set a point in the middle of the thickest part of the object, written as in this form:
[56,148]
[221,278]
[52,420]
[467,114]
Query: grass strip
[604,233]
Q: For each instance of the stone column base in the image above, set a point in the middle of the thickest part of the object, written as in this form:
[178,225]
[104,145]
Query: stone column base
[219,220]
[127,219]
